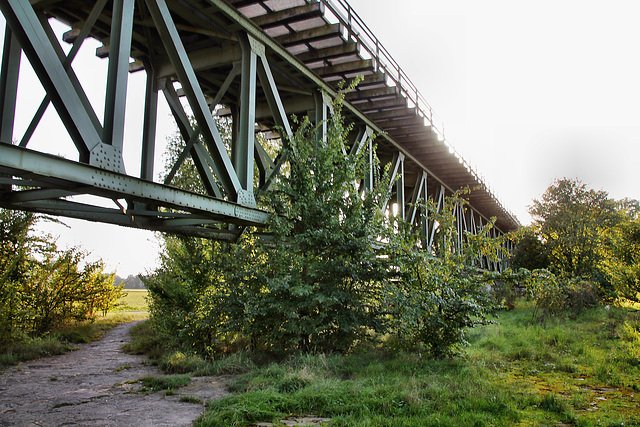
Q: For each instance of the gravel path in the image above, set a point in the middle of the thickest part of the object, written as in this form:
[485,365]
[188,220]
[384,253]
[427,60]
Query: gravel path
[89,387]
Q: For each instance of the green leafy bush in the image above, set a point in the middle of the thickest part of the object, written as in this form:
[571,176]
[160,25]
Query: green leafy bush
[554,295]
[323,280]
[438,294]
[314,287]
[41,286]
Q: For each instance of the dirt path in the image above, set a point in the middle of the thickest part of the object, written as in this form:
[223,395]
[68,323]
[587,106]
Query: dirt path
[89,387]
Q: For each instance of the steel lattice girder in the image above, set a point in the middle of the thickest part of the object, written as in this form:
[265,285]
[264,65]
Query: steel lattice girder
[260,69]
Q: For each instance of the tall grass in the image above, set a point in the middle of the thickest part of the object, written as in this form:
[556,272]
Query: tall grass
[367,389]
[583,372]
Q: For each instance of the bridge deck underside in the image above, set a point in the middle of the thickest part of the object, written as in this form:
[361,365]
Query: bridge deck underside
[308,48]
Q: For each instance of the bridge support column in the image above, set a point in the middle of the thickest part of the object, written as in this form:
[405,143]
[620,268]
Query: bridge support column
[324,107]
[364,141]
[9,85]
[419,193]
[482,259]
[397,180]
[431,227]
[243,139]
[253,67]
[495,264]
[118,73]
[414,216]
[149,124]
[400,201]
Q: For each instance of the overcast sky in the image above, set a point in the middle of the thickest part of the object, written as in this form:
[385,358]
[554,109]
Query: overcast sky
[528,92]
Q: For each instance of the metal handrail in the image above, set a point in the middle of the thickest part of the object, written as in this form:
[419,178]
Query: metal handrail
[360,33]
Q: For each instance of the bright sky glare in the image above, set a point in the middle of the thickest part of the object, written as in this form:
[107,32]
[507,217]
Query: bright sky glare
[528,92]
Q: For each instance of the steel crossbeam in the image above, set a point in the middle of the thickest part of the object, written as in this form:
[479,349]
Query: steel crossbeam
[45,171]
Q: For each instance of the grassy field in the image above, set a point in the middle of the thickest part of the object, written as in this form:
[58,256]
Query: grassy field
[583,372]
[136,300]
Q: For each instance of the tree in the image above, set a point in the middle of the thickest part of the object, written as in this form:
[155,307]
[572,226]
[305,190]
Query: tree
[314,286]
[530,253]
[590,240]
[436,297]
[41,286]
[59,289]
[16,247]
[323,259]
[572,219]
[621,260]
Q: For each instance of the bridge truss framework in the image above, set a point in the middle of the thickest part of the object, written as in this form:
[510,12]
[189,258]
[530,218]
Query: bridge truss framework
[262,61]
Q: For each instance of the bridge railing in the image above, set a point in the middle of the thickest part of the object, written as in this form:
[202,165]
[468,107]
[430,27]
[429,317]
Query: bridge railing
[360,33]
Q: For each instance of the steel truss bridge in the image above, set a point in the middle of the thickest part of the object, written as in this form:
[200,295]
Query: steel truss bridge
[258,61]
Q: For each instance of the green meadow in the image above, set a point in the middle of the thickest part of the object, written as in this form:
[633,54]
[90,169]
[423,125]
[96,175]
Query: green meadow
[134,300]
[582,371]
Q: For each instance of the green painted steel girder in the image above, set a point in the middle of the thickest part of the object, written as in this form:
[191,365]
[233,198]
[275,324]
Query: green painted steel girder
[118,72]
[18,161]
[9,85]
[243,144]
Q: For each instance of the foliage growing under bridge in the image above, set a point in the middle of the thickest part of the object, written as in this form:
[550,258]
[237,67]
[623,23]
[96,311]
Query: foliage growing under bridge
[438,294]
[334,270]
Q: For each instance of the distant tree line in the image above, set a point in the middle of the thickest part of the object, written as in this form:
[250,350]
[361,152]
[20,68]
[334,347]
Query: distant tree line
[130,282]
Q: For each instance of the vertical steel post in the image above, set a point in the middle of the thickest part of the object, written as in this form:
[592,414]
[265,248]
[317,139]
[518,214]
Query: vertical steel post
[369,178]
[397,167]
[417,194]
[364,141]
[323,108]
[9,85]
[425,217]
[149,125]
[118,72]
[481,258]
[441,195]
[400,190]
[494,235]
[244,141]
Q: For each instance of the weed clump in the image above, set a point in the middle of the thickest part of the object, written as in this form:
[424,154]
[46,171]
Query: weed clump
[165,383]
